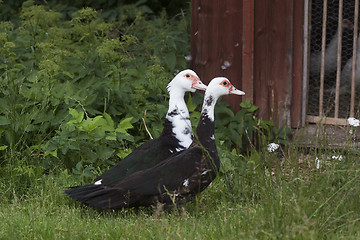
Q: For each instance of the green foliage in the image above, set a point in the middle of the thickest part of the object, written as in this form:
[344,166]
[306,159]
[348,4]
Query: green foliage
[91,141]
[111,10]
[244,133]
[244,130]
[61,80]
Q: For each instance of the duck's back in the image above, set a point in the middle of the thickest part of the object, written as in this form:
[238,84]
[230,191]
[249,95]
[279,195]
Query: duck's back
[146,156]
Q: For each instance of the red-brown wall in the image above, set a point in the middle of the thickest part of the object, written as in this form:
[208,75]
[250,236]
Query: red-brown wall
[262,43]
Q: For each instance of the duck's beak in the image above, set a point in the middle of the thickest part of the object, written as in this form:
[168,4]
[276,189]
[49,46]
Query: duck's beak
[197,84]
[233,90]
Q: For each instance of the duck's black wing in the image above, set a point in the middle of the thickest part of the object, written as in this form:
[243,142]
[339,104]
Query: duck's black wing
[175,180]
[147,155]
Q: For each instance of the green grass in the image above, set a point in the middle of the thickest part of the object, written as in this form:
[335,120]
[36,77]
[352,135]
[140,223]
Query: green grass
[265,197]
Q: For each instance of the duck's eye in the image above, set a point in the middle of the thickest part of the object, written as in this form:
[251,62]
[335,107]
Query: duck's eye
[187,75]
[224,83]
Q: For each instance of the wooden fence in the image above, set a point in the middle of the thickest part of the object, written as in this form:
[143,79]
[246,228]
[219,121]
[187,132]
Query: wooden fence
[258,45]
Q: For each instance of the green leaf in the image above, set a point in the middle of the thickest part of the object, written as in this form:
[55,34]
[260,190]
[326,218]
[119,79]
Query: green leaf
[111,138]
[68,74]
[108,73]
[226,111]
[253,108]
[3,147]
[79,166]
[109,122]
[133,72]
[4,121]
[124,125]
[122,154]
[52,153]
[245,104]
[33,77]
[170,60]
[191,107]
[78,116]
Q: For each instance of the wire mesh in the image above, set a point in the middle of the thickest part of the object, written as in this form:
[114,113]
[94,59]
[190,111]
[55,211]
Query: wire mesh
[325,22]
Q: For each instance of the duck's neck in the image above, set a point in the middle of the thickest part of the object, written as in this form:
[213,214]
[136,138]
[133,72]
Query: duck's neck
[177,126]
[205,128]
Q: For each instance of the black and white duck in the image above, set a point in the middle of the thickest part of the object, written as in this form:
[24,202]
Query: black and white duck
[176,135]
[174,180]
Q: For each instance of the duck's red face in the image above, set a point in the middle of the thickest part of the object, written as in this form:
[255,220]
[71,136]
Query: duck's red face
[196,82]
[232,90]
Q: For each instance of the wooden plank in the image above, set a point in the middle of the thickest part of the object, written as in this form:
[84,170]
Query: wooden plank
[337,137]
[326,120]
[273,59]
[306,54]
[353,71]
[322,71]
[204,35]
[194,31]
[231,51]
[248,50]
[338,71]
[298,46]
[261,56]
[216,42]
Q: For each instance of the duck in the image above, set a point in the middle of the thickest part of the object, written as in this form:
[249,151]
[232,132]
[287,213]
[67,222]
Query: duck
[346,73]
[176,135]
[173,181]
[330,54]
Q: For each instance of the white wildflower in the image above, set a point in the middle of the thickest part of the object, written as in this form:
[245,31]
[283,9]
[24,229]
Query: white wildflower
[337,157]
[353,122]
[317,160]
[272,147]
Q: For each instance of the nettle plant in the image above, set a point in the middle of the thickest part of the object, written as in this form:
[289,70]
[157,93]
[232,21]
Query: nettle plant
[74,92]
[246,135]
[243,130]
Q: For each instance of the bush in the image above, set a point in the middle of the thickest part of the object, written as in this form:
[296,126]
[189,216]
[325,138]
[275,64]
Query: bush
[62,80]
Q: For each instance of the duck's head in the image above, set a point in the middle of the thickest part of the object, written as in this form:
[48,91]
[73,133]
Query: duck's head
[220,86]
[187,81]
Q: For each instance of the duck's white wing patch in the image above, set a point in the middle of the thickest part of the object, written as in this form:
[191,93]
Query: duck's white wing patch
[178,149]
[186,183]
[98,182]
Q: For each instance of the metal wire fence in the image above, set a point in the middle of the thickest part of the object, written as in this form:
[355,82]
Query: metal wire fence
[333,57]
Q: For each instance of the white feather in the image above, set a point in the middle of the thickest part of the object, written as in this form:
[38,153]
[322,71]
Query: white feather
[186,183]
[98,182]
